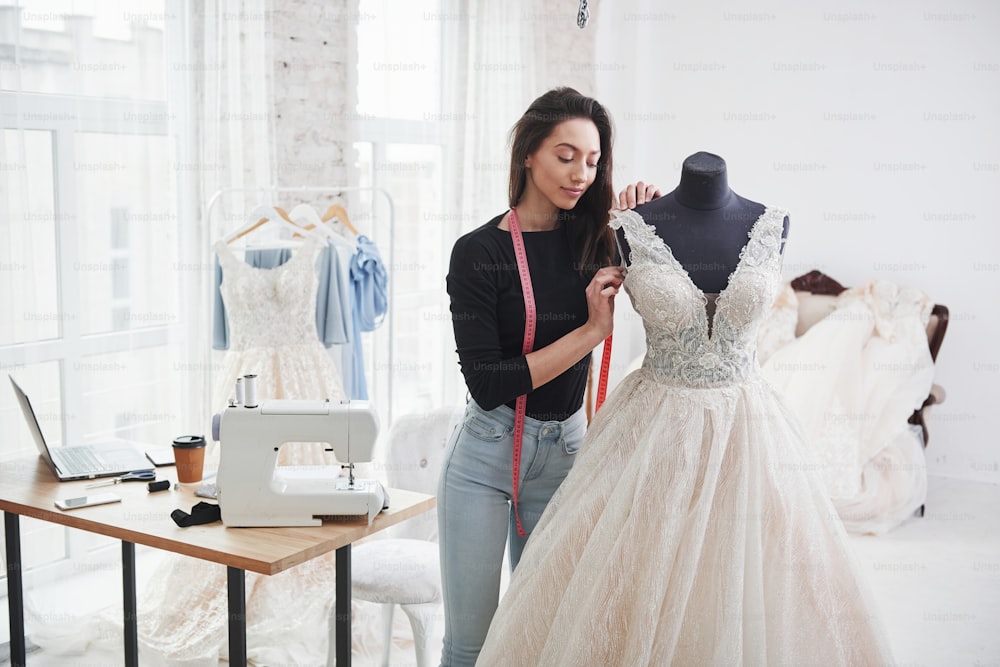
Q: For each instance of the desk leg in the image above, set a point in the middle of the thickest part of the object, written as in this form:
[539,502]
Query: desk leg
[343,606]
[237,616]
[131,628]
[15,595]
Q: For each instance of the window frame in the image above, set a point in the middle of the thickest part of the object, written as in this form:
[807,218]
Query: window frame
[379,132]
[64,116]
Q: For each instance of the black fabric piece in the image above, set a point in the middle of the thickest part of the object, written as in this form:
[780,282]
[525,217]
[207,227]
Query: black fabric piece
[200,513]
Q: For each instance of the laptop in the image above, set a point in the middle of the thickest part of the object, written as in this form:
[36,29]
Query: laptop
[104,459]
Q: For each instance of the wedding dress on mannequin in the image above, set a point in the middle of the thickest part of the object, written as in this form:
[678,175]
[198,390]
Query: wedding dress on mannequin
[692,529]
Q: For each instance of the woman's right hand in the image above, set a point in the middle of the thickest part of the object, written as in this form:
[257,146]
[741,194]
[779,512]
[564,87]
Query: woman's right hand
[601,294]
[552,360]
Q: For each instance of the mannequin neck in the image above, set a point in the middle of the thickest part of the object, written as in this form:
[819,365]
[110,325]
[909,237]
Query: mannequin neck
[704,184]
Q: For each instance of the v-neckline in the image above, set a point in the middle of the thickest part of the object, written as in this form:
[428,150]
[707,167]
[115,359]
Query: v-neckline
[708,321]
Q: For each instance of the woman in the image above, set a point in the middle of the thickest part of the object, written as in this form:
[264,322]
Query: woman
[560,196]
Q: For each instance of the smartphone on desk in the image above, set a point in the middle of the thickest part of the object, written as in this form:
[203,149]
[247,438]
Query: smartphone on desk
[161,456]
[87,501]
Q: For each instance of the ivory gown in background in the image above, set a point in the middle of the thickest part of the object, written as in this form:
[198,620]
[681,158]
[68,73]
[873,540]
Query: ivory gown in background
[853,379]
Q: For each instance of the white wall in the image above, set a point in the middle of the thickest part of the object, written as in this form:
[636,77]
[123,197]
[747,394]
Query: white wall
[878,127]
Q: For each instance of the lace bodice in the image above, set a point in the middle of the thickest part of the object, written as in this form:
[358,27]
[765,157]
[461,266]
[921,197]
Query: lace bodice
[269,308]
[681,346]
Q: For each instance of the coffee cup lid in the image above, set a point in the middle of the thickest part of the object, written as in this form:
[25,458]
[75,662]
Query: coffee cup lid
[189,441]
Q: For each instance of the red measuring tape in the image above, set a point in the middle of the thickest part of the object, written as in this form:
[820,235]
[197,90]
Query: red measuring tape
[530,315]
[602,381]
[529,341]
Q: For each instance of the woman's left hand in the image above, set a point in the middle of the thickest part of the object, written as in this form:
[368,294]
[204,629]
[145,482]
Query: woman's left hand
[636,194]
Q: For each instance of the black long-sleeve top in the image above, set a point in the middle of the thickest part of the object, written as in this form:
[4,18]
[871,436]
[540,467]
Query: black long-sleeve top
[487,311]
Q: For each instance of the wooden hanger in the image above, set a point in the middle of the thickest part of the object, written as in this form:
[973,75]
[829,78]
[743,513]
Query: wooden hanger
[306,217]
[340,213]
[267,214]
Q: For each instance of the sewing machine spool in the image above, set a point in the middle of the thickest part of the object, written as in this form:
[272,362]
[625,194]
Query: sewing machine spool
[250,389]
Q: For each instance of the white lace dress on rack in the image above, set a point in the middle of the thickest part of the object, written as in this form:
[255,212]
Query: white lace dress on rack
[272,329]
[692,529]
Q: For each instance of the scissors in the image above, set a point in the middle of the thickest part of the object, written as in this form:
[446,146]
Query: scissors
[136,476]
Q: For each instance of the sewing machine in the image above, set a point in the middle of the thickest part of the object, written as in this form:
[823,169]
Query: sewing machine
[253,490]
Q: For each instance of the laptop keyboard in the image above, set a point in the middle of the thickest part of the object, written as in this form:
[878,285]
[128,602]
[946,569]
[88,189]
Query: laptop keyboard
[80,459]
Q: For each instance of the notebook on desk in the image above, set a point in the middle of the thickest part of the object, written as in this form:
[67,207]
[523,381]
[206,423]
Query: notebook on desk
[103,459]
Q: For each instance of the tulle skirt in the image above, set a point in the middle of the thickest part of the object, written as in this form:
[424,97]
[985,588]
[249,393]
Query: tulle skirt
[692,530]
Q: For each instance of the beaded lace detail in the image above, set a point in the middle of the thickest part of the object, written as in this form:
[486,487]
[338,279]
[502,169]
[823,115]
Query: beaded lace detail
[681,346]
[270,308]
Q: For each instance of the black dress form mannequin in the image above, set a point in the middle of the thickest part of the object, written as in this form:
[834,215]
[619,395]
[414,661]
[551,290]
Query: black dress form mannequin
[705,224]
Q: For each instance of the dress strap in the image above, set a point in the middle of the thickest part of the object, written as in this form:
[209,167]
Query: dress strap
[643,241]
[633,226]
[628,219]
[769,235]
[621,251]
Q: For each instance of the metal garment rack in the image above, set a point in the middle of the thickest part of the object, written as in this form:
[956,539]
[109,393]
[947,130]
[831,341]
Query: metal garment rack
[335,191]
[235,577]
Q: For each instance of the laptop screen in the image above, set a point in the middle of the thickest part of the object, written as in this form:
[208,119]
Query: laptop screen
[29,416]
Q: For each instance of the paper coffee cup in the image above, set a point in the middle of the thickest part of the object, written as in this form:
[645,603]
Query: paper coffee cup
[189,457]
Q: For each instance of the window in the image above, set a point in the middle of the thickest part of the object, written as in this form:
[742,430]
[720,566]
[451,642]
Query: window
[88,236]
[402,150]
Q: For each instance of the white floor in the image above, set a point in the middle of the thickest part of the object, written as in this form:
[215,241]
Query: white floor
[936,581]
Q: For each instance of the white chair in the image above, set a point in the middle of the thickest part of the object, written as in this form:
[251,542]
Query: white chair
[404,569]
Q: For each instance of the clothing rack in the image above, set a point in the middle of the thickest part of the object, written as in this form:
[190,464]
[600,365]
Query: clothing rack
[338,191]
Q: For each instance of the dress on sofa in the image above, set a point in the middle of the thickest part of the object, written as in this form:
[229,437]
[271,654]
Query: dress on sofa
[853,379]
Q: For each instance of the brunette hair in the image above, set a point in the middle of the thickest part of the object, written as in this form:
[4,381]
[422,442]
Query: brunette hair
[590,238]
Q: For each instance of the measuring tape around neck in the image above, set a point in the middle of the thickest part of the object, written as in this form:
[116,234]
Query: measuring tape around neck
[529,342]
[530,316]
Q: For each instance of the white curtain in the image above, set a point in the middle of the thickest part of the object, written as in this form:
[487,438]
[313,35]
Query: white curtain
[110,149]
[234,98]
[116,124]
[490,79]
[110,152]
[227,129]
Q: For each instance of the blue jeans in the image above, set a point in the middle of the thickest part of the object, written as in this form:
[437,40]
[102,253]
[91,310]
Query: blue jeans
[475,513]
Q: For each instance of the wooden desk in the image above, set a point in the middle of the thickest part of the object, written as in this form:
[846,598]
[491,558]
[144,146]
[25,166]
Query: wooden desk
[28,488]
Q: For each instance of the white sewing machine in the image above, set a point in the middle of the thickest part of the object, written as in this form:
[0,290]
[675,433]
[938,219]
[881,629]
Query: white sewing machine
[253,490]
